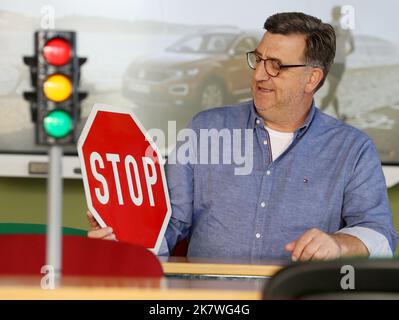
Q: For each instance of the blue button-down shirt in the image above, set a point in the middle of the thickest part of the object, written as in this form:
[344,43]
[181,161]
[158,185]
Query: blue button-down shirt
[329,178]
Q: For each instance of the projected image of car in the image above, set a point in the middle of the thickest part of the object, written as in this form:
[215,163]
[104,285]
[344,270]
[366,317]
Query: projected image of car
[200,70]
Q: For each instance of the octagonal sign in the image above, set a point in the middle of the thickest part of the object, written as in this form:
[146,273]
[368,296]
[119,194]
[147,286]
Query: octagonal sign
[123,176]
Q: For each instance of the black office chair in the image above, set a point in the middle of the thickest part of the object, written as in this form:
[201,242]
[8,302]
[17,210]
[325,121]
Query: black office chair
[373,279]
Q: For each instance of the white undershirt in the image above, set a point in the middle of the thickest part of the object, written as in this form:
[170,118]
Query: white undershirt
[279,141]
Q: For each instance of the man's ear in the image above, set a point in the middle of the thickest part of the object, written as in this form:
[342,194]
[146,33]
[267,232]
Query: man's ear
[315,77]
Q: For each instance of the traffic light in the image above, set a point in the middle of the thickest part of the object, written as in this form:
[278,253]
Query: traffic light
[55,74]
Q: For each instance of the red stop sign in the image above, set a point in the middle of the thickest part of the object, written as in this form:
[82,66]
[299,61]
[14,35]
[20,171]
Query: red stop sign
[123,177]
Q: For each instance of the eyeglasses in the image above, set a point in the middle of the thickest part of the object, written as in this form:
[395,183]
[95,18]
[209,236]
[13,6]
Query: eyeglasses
[272,66]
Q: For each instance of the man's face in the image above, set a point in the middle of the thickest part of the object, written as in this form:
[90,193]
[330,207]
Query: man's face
[276,95]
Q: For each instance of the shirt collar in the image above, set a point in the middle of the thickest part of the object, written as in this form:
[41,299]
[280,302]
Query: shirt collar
[255,120]
[301,130]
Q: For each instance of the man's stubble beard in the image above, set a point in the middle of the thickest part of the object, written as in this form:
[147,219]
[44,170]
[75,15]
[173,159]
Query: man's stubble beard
[286,106]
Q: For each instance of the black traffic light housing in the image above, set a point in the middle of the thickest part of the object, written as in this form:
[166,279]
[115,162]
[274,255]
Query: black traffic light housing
[42,103]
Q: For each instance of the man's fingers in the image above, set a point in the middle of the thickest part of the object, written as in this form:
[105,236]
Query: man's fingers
[310,250]
[100,233]
[290,246]
[93,222]
[321,254]
[111,237]
[301,243]
[314,244]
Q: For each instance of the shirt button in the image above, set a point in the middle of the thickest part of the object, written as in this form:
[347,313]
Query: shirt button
[263,204]
[268,172]
[265,142]
[257,121]
[257,235]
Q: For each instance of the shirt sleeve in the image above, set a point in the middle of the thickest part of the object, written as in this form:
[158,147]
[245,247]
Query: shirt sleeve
[164,250]
[376,243]
[366,202]
[180,178]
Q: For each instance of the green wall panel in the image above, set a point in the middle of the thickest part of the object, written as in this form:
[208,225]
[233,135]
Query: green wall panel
[23,200]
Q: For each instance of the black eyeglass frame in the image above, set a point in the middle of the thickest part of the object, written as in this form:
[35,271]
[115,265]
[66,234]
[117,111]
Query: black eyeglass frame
[281,66]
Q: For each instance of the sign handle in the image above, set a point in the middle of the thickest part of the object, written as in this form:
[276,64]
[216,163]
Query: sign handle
[54,212]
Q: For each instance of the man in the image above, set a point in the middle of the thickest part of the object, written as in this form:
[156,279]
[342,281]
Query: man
[316,189]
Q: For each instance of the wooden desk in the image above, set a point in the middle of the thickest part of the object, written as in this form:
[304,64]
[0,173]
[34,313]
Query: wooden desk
[185,288]
[128,288]
[219,267]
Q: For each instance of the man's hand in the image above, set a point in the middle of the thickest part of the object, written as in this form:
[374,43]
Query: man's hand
[315,244]
[97,232]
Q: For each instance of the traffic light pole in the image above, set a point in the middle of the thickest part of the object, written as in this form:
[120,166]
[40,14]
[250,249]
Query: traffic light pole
[54,211]
[55,110]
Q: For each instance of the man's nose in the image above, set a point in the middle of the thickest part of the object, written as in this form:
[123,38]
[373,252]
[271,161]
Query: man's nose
[260,73]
